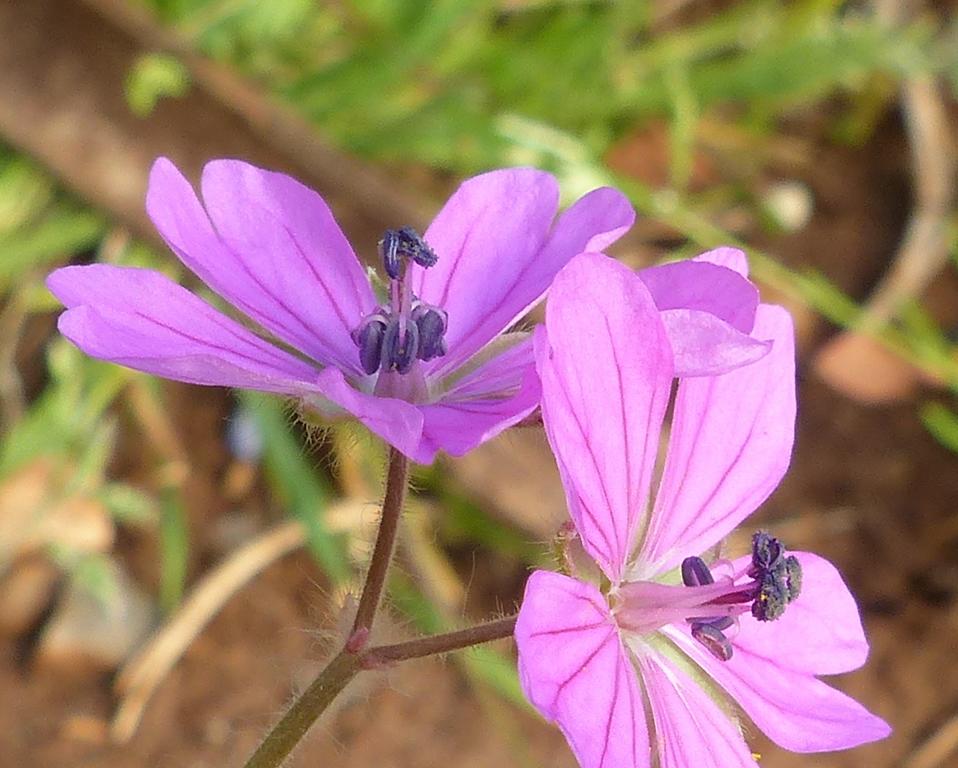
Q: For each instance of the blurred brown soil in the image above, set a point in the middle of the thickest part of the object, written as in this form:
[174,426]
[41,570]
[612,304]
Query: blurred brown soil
[867,489]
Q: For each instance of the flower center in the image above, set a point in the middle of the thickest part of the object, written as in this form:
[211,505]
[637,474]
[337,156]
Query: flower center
[771,581]
[395,335]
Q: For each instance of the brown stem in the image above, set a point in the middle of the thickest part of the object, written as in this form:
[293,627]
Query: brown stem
[397,480]
[429,646]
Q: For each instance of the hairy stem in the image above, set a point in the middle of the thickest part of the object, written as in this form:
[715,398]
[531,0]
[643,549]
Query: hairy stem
[397,480]
[429,646]
[288,732]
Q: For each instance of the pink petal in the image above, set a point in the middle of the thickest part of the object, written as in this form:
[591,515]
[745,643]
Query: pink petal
[704,345]
[795,710]
[606,371]
[705,287]
[397,422]
[491,399]
[143,320]
[278,255]
[731,258]
[497,257]
[504,371]
[819,634]
[730,444]
[575,671]
[690,729]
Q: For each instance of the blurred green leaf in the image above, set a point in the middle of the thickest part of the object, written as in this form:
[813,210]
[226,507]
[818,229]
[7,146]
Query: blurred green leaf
[93,573]
[128,504]
[174,549]
[153,77]
[65,419]
[24,190]
[62,231]
[942,422]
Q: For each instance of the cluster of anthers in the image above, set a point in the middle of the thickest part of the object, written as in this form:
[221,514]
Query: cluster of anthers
[395,335]
[775,580]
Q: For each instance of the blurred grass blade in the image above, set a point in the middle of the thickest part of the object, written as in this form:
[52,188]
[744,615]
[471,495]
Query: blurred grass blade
[942,422]
[297,484]
[174,549]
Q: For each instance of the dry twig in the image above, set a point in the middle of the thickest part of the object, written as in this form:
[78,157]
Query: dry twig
[143,674]
[936,750]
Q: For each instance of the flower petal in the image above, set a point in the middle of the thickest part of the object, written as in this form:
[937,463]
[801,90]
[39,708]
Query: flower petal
[795,710]
[143,320]
[491,399]
[731,258]
[278,255]
[503,372]
[690,729]
[606,370]
[704,345]
[397,422]
[705,287]
[497,257]
[730,444]
[820,633]
[576,672]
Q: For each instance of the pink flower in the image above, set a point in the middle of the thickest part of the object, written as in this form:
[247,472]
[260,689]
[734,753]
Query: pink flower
[425,366]
[647,660]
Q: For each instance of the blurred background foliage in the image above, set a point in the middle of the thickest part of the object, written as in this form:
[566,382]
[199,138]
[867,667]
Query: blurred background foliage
[450,87]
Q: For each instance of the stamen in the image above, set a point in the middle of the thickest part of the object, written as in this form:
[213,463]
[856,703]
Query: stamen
[714,641]
[432,327]
[793,573]
[389,253]
[369,338]
[399,351]
[779,577]
[776,580]
[695,572]
[393,337]
[766,551]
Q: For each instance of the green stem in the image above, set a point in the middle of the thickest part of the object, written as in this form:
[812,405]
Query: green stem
[288,732]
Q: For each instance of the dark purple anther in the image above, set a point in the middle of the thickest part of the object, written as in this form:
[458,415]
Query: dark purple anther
[399,350]
[695,572]
[714,641]
[719,622]
[432,327]
[369,339]
[390,253]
